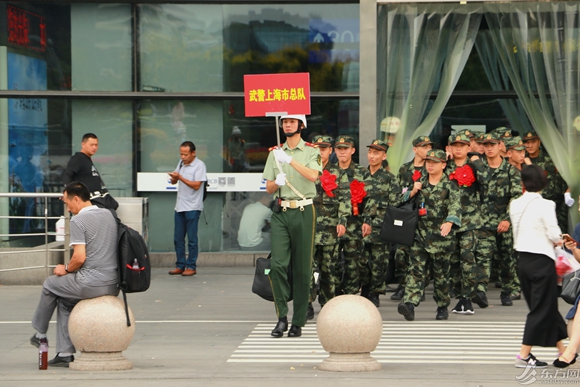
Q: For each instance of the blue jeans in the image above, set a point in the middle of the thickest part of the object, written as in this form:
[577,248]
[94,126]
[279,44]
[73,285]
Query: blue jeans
[186,222]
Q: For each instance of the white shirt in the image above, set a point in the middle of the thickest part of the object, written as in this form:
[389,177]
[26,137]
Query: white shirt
[535,226]
[254,218]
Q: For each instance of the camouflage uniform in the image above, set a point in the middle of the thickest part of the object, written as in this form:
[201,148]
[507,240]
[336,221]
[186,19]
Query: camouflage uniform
[383,193]
[405,181]
[326,241]
[557,186]
[500,186]
[443,204]
[466,254]
[355,265]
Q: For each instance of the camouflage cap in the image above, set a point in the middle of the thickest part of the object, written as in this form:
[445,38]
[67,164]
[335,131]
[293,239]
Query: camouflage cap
[422,141]
[503,132]
[530,135]
[344,142]
[479,138]
[460,137]
[514,143]
[436,155]
[467,132]
[492,137]
[322,141]
[379,145]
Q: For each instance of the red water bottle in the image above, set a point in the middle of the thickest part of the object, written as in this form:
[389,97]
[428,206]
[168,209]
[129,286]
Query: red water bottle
[43,354]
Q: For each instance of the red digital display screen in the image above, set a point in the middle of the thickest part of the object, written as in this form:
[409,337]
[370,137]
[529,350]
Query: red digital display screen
[26,29]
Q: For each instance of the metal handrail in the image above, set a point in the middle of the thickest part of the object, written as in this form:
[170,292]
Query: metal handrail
[44,196]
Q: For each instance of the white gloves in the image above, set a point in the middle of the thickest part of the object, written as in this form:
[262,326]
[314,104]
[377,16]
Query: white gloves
[281,156]
[281,178]
[568,199]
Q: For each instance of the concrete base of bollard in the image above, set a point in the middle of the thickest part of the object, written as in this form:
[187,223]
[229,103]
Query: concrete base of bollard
[349,362]
[101,361]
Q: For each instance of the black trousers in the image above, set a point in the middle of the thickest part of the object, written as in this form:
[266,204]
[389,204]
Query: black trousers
[544,324]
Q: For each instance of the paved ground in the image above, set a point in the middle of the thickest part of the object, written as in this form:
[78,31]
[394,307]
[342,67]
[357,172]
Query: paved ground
[210,330]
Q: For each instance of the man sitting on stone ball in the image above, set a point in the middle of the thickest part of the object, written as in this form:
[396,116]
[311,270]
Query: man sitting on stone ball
[91,272]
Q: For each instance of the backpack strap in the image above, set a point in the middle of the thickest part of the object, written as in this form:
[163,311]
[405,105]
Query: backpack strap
[119,263]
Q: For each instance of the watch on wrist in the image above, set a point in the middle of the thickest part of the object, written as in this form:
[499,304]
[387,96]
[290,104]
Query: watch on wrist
[66,268]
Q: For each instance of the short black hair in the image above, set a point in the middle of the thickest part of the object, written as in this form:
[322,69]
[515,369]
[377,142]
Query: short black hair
[534,178]
[86,136]
[76,188]
[189,145]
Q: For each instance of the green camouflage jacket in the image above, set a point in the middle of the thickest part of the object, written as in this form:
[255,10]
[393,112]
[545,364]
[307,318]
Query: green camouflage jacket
[405,176]
[329,210]
[471,217]
[383,193]
[443,204]
[499,187]
[346,176]
[556,184]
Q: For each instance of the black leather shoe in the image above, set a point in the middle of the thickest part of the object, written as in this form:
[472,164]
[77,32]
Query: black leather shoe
[374,298]
[280,328]
[481,299]
[399,294]
[506,299]
[295,331]
[407,310]
[36,341]
[309,312]
[61,361]
[442,313]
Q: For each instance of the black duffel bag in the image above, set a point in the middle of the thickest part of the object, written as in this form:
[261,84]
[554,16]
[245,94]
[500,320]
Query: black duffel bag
[400,223]
[261,285]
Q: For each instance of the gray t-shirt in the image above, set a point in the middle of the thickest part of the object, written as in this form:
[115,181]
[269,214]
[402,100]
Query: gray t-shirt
[189,199]
[96,228]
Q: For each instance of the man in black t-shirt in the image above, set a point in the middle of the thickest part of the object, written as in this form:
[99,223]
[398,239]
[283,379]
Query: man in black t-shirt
[80,167]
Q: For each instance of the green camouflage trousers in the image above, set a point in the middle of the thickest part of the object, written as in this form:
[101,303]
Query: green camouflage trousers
[486,248]
[402,263]
[355,266]
[378,259]
[419,261]
[326,262]
[508,263]
[463,265]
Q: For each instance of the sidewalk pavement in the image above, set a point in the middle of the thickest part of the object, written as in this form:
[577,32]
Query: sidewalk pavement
[188,327]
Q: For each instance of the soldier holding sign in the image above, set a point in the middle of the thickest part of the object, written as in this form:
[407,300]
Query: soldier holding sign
[290,173]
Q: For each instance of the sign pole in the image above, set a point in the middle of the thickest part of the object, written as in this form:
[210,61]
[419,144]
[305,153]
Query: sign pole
[278,131]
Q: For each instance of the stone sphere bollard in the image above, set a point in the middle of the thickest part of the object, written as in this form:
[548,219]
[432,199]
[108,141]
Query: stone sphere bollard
[98,329]
[349,328]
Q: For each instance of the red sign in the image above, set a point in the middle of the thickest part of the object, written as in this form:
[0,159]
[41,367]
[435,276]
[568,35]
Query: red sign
[277,93]
[26,29]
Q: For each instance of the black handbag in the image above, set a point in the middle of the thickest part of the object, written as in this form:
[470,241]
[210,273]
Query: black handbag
[261,285]
[400,223]
[571,287]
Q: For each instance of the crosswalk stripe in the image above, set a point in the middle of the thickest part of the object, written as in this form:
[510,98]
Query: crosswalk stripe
[467,342]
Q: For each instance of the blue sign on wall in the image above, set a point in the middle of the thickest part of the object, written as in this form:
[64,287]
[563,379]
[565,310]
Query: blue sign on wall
[335,40]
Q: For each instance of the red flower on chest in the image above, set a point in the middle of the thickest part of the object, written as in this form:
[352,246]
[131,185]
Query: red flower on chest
[328,182]
[464,176]
[357,194]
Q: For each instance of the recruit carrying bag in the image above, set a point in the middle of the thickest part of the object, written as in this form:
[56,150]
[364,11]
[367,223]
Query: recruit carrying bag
[400,223]
[134,262]
[261,285]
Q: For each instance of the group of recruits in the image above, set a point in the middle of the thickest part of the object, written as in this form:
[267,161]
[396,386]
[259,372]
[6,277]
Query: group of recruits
[464,230]
[336,210]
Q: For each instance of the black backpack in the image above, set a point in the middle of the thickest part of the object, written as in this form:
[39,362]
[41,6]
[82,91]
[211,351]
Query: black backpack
[134,262]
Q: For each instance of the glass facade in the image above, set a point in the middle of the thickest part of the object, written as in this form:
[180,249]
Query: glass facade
[189,60]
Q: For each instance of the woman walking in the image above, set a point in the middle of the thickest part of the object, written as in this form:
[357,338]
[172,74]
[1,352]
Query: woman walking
[536,231]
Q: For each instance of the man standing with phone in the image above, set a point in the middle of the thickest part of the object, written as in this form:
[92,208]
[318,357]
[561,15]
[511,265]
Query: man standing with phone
[190,172]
